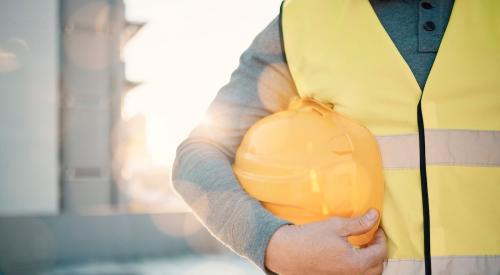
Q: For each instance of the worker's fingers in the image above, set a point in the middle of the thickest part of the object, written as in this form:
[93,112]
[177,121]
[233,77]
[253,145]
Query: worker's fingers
[358,225]
[376,252]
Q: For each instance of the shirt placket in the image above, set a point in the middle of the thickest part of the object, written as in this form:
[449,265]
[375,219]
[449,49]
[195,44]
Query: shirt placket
[430,25]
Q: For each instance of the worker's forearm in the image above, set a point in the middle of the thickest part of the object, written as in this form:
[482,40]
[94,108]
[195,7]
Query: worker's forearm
[203,177]
[202,173]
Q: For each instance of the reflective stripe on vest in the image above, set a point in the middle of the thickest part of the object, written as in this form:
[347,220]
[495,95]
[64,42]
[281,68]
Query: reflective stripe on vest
[339,52]
[443,147]
[455,265]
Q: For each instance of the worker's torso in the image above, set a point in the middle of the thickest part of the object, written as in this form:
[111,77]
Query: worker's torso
[440,147]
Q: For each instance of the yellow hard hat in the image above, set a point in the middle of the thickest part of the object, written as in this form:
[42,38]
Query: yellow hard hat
[309,163]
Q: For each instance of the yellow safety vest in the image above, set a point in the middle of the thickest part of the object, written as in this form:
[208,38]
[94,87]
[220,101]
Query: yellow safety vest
[440,147]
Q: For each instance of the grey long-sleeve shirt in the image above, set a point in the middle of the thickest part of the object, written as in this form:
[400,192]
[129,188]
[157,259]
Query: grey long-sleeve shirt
[262,85]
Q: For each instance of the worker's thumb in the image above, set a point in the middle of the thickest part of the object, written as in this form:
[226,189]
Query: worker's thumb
[359,225]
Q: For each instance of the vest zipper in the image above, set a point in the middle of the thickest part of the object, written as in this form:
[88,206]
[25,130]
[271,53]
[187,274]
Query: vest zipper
[425,194]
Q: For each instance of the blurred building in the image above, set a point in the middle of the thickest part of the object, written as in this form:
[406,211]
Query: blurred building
[29,100]
[80,184]
[64,193]
[92,87]
[62,82]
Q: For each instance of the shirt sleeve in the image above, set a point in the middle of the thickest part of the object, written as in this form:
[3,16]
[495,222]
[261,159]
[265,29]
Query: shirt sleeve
[202,174]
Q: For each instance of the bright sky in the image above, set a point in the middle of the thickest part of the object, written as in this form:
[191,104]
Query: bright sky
[184,55]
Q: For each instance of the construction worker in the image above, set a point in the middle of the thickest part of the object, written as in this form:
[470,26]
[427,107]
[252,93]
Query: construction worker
[438,132]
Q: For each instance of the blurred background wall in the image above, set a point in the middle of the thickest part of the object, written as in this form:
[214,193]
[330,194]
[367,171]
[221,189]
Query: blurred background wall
[95,95]
[29,75]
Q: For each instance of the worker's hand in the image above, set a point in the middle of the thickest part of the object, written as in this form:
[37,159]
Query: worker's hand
[322,248]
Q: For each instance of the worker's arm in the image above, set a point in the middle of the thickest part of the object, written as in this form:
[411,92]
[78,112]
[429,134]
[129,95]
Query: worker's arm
[202,172]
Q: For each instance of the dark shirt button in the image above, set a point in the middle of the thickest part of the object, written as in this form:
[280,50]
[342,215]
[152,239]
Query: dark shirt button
[426,5]
[429,26]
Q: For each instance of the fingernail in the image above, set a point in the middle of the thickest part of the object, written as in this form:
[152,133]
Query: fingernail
[372,214]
